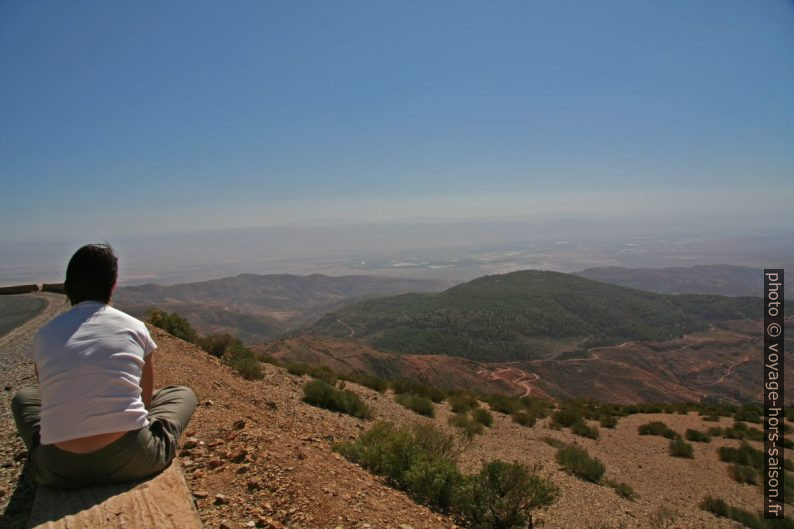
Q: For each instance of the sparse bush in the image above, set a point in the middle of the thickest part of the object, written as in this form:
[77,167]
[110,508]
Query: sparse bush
[711,418]
[172,323]
[219,344]
[680,448]
[715,506]
[748,413]
[297,369]
[623,490]
[504,495]
[608,421]
[744,455]
[566,418]
[433,481]
[719,507]
[582,429]
[417,403]
[696,436]
[523,418]
[657,428]
[482,416]
[554,443]
[469,427]
[744,474]
[371,381]
[408,386]
[715,431]
[420,460]
[578,462]
[319,393]
[503,404]
[663,518]
[248,366]
[460,402]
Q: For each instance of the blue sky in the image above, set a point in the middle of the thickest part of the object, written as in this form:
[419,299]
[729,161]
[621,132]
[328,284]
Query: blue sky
[149,116]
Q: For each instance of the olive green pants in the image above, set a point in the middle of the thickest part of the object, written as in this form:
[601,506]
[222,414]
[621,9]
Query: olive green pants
[133,456]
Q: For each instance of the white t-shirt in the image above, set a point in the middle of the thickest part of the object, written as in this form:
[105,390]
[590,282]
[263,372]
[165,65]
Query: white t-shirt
[90,361]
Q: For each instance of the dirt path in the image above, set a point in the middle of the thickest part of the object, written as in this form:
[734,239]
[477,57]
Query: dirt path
[352,331]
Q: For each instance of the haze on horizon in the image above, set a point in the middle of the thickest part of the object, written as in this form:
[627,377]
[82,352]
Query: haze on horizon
[142,123]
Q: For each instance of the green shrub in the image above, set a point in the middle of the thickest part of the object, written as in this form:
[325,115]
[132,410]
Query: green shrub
[321,394]
[461,402]
[417,403]
[504,495]
[566,418]
[680,448]
[248,366]
[715,431]
[297,369]
[243,360]
[744,455]
[469,427]
[578,462]
[420,461]
[748,413]
[172,323]
[608,421]
[715,506]
[219,344]
[523,418]
[719,507]
[404,385]
[696,436]
[554,443]
[502,404]
[371,381]
[482,416]
[744,474]
[657,428]
[623,490]
[433,481]
[582,429]
[323,373]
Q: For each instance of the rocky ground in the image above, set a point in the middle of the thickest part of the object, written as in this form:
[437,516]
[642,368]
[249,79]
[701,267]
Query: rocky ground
[254,455]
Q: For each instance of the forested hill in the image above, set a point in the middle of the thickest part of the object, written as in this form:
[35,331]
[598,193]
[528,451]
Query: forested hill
[527,314]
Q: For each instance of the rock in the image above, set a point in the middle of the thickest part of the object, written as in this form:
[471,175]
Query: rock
[254,484]
[220,499]
[239,425]
[224,525]
[238,456]
[404,526]
[250,523]
[190,442]
[208,403]
[243,469]
[214,463]
[200,493]
[7,388]
[216,442]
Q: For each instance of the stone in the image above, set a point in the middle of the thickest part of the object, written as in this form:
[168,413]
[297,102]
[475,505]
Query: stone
[220,499]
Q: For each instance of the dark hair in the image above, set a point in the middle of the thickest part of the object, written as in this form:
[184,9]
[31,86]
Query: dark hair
[91,274]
